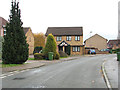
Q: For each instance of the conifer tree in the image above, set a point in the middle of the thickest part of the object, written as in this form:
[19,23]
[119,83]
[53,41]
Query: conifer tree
[50,46]
[15,48]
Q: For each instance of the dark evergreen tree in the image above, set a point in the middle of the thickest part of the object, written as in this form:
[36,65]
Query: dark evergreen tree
[15,48]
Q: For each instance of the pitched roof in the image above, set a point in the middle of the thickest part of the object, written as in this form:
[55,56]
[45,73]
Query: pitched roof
[64,31]
[2,22]
[26,29]
[64,43]
[112,42]
[95,35]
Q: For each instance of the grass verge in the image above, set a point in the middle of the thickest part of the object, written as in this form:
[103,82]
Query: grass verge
[31,59]
[63,57]
[9,65]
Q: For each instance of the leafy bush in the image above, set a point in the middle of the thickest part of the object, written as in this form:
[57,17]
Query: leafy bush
[57,57]
[38,56]
[63,54]
[117,50]
[37,49]
[50,46]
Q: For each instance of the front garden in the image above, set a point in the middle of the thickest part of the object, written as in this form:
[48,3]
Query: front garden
[47,53]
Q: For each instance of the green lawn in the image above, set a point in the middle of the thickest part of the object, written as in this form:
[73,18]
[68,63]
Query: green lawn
[63,57]
[31,59]
[34,59]
[9,65]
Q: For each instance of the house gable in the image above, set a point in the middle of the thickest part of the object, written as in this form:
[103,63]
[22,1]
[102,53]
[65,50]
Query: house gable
[96,41]
[95,36]
[30,39]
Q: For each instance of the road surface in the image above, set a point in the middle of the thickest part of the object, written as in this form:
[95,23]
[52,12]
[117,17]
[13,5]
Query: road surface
[84,72]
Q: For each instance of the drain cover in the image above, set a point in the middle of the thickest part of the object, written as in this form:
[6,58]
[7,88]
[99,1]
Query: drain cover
[20,78]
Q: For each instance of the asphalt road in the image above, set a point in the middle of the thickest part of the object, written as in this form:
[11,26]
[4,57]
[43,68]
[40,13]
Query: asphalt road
[84,72]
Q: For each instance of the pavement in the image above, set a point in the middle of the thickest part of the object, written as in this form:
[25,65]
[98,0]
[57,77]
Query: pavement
[111,70]
[35,64]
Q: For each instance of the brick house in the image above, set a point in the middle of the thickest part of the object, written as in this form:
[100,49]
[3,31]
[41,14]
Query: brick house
[68,39]
[114,44]
[3,23]
[30,38]
[96,41]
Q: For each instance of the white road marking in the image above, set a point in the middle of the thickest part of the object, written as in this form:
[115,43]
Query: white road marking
[3,77]
[106,78]
[38,86]
[11,73]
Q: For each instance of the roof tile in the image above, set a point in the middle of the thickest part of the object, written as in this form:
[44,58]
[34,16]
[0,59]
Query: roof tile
[65,31]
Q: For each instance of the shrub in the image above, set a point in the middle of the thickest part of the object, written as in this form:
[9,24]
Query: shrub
[50,46]
[37,49]
[117,50]
[57,57]
[38,56]
[63,54]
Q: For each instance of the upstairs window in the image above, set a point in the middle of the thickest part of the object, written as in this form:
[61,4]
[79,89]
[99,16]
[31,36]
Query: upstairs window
[59,38]
[68,38]
[4,31]
[77,38]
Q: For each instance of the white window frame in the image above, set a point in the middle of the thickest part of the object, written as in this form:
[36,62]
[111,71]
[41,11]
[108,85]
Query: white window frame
[59,38]
[4,30]
[76,48]
[77,38]
[69,38]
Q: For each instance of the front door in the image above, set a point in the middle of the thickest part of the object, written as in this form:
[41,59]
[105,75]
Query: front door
[67,49]
[60,48]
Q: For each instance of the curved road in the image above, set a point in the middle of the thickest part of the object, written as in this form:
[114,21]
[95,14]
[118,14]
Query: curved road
[84,72]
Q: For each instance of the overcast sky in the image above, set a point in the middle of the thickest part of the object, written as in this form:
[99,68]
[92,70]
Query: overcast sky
[98,16]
